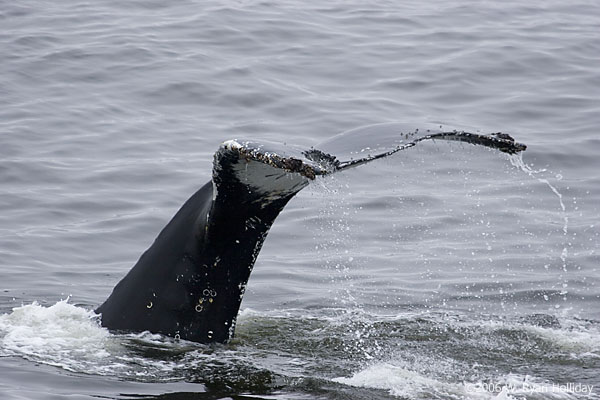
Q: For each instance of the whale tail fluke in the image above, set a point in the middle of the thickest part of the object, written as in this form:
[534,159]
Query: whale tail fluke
[262,166]
[190,282]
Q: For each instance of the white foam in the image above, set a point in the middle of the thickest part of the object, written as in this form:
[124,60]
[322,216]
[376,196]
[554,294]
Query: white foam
[423,377]
[530,387]
[396,380]
[53,334]
[575,338]
[71,338]
[406,383]
[579,342]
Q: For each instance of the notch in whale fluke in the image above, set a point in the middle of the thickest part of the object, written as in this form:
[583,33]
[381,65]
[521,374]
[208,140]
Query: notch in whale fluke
[189,284]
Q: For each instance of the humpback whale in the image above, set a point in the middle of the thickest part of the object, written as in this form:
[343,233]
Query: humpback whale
[189,284]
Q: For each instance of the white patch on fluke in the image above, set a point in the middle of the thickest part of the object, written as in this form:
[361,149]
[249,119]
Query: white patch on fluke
[232,144]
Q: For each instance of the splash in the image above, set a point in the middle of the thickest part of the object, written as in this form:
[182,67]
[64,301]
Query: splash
[335,247]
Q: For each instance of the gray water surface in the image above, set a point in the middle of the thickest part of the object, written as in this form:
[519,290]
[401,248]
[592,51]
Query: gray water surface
[445,272]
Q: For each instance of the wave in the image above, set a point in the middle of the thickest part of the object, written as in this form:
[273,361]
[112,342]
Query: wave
[415,355]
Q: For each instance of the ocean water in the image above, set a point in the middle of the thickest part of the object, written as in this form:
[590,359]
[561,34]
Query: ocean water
[447,271]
